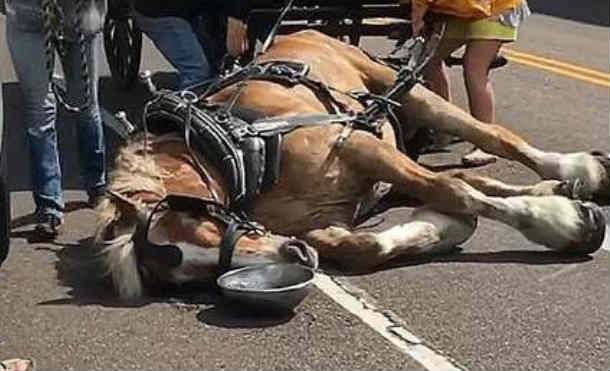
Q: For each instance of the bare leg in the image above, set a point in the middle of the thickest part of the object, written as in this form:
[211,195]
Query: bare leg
[436,72]
[439,81]
[477,59]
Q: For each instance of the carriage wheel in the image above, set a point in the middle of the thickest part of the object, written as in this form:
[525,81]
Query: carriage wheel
[5,201]
[123,45]
[5,218]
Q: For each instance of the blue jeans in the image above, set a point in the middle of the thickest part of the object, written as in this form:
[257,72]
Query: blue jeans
[25,39]
[177,40]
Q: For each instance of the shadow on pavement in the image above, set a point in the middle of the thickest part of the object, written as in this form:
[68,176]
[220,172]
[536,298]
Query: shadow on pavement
[587,11]
[79,268]
[526,257]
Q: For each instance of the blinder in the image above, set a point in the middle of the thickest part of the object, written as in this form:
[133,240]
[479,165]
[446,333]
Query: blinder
[236,226]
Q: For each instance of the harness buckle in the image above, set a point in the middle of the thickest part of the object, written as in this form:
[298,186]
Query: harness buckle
[243,131]
[189,97]
[222,117]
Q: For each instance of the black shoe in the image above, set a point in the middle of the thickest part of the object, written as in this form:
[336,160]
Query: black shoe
[49,225]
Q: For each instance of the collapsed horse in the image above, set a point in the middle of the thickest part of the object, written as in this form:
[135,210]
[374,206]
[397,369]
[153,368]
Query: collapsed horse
[291,165]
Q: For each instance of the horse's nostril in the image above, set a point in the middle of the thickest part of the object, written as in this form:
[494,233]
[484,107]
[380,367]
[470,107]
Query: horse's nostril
[301,252]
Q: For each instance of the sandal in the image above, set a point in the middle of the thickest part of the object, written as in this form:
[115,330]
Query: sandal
[17,364]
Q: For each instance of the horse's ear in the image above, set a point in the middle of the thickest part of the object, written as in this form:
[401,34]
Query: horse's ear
[124,204]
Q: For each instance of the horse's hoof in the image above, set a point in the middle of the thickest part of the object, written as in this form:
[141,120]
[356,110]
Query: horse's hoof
[573,189]
[593,231]
[602,195]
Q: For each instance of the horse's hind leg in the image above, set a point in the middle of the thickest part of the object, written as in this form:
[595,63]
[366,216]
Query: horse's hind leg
[591,170]
[494,187]
[556,222]
[423,108]
[426,232]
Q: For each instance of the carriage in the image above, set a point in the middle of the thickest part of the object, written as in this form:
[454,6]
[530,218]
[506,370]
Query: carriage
[345,19]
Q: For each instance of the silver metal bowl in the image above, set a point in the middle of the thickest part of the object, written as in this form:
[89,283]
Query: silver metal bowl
[275,286]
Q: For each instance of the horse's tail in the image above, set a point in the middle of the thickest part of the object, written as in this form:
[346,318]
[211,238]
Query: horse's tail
[115,240]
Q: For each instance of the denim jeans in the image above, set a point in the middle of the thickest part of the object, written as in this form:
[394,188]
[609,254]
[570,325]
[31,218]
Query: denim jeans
[176,38]
[25,39]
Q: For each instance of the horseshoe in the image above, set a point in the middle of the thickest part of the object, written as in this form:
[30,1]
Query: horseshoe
[602,195]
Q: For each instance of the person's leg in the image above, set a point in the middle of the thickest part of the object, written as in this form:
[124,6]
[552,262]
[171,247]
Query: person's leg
[211,30]
[477,59]
[89,124]
[39,114]
[177,41]
[436,73]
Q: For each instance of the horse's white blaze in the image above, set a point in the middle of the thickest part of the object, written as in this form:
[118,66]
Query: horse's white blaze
[198,256]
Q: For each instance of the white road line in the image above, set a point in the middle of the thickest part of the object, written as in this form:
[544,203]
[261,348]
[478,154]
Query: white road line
[383,324]
[555,274]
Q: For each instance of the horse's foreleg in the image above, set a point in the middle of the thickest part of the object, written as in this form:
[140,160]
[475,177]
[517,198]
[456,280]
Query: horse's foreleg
[592,171]
[426,232]
[557,222]
[494,187]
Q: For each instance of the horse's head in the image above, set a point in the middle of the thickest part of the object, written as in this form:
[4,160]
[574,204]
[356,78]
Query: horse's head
[177,245]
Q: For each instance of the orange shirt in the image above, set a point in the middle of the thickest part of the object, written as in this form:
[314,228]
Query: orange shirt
[468,8]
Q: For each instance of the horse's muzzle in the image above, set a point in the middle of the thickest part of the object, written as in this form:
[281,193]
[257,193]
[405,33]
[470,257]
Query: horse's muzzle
[300,252]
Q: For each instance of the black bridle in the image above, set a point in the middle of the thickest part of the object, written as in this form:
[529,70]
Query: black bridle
[237,224]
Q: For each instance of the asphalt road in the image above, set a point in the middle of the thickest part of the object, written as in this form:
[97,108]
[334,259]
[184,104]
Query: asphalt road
[502,303]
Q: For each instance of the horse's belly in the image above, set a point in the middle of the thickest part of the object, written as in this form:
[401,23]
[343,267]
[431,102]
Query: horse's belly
[316,188]
[295,216]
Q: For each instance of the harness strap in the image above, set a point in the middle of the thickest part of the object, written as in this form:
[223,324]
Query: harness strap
[271,126]
[235,230]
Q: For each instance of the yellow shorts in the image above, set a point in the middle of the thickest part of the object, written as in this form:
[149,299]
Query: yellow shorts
[484,29]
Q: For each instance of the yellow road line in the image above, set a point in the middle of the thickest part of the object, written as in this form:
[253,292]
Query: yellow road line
[561,68]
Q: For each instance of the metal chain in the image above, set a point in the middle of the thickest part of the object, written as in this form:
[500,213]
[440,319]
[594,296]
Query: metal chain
[50,18]
[54,39]
[82,45]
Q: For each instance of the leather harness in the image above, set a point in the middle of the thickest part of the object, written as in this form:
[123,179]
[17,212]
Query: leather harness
[247,151]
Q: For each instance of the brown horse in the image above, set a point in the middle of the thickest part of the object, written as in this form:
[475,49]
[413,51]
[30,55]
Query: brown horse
[329,174]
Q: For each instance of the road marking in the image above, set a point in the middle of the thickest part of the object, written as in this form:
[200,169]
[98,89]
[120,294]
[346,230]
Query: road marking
[389,328]
[559,272]
[606,244]
[561,68]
